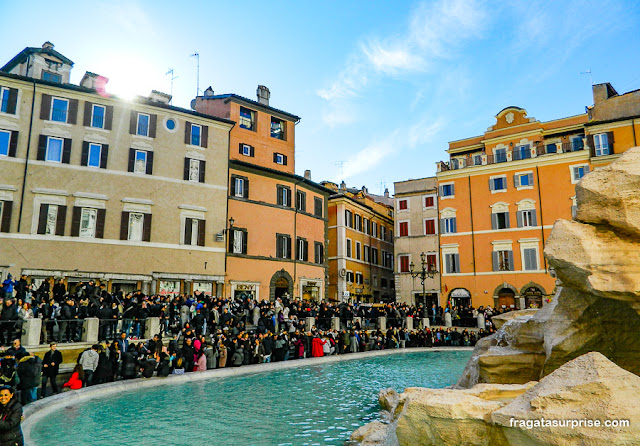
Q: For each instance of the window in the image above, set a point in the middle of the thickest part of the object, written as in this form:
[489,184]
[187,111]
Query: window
[239,187]
[403,260]
[477,160]
[4,99]
[498,184]
[366,253]
[601,144]
[5,215]
[140,165]
[577,172]
[301,201]
[503,260]
[95,155]
[348,218]
[277,128]
[404,228]
[51,77]
[447,190]
[431,262]
[522,152]
[358,222]
[196,132]
[374,229]
[429,201]
[452,263]
[349,277]
[500,220]
[530,259]
[51,219]
[552,148]
[402,205]
[283,246]
[500,155]
[88,220]
[238,241]
[142,128]
[97,116]
[448,225]
[577,143]
[194,170]
[279,158]
[54,149]
[135,226]
[319,252]
[383,232]
[247,119]
[5,140]
[523,179]
[348,245]
[430,227]
[383,282]
[302,249]
[526,218]
[365,225]
[358,245]
[8,100]
[194,232]
[317,206]
[374,256]
[59,109]
[284,196]
[170,124]
[359,279]
[246,150]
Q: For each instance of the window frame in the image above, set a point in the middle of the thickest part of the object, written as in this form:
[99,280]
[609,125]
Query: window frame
[93,115]
[348,249]
[404,228]
[318,205]
[198,141]
[279,158]
[284,195]
[246,150]
[132,215]
[88,211]
[139,115]
[452,263]
[597,137]
[66,111]
[573,168]
[444,187]
[301,201]
[135,161]
[505,215]
[318,253]
[191,164]
[91,145]
[4,99]
[252,119]
[9,132]
[403,205]
[435,226]
[449,225]
[280,132]
[494,186]
[46,155]
[433,198]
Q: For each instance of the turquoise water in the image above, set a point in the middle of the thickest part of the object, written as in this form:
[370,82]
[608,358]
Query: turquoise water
[310,405]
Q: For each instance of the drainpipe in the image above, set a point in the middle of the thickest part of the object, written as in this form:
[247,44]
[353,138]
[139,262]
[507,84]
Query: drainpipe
[633,128]
[544,259]
[473,242]
[26,161]
[294,199]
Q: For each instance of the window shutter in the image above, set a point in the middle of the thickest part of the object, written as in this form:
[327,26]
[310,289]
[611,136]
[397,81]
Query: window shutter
[12,101]
[45,107]
[187,133]
[72,117]
[275,157]
[519,218]
[440,188]
[610,142]
[153,121]
[133,123]
[124,226]
[100,223]
[279,243]
[245,192]
[284,158]
[494,221]
[88,109]
[240,151]
[232,186]
[204,137]
[7,207]
[61,219]
[75,221]
[511,267]
[66,151]
[453,189]
[104,156]
[288,197]
[201,232]
[455,224]
[201,171]
[146,228]
[188,227]
[244,242]
[586,170]
[230,235]
[507,223]
[306,251]
[442,226]
[13,144]
[42,218]
[534,218]
[42,148]
[108,119]
[491,184]
[132,159]
[592,146]
[252,151]
[530,178]
[84,157]
[149,163]
[288,247]
[187,164]
[516,181]
[494,257]
[456,263]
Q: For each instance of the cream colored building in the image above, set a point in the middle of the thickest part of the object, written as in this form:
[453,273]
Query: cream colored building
[417,232]
[132,194]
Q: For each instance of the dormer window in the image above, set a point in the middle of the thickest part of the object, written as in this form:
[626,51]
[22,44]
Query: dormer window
[51,77]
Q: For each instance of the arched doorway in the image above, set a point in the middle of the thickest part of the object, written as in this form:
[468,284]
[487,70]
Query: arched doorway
[460,297]
[533,296]
[506,298]
[281,284]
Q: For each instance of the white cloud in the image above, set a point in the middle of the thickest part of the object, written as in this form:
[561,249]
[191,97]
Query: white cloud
[371,156]
[422,132]
[392,59]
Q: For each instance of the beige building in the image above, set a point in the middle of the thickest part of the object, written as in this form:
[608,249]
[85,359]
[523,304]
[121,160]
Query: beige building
[417,232]
[130,193]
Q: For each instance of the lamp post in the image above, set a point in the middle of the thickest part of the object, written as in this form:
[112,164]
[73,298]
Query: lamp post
[427,270]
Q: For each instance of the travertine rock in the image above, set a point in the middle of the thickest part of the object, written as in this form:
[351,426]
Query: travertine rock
[510,366]
[388,399]
[589,387]
[501,319]
[371,434]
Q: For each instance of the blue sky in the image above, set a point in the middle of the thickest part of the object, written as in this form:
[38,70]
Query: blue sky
[381,86]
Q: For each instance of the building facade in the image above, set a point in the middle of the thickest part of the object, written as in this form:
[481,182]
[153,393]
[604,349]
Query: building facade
[501,192]
[276,238]
[132,194]
[417,232]
[360,245]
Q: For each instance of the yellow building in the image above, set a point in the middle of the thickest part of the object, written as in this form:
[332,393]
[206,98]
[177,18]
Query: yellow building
[501,192]
[360,245]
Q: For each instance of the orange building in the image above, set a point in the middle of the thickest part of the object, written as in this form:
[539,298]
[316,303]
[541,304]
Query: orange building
[276,239]
[360,245]
[501,192]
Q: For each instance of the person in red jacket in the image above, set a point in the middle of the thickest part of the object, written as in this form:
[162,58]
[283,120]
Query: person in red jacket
[75,382]
[316,347]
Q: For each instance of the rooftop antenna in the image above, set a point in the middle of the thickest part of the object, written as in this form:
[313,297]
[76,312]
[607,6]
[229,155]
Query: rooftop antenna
[589,73]
[197,56]
[340,164]
[172,78]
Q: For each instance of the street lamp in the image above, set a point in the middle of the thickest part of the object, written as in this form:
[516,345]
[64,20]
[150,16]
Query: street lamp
[428,270]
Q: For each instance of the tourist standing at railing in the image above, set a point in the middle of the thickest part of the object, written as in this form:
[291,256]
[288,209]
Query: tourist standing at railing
[59,290]
[50,368]
[123,342]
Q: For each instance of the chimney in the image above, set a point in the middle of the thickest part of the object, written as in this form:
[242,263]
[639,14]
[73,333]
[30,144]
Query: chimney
[47,45]
[602,92]
[365,190]
[263,94]
[386,193]
[93,81]
[208,92]
[307,175]
[158,96]
[343,185]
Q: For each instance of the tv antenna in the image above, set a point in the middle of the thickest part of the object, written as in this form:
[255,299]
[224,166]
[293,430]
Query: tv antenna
[197,56]
[172,78]
[340,164]
[589,73]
